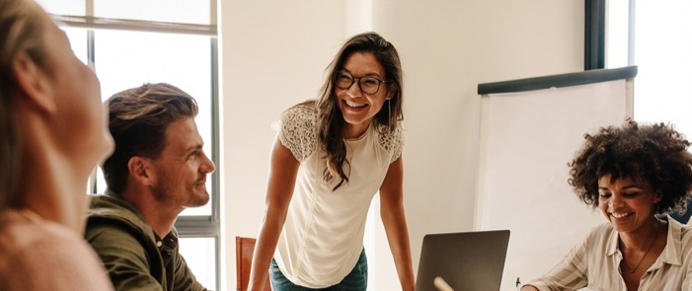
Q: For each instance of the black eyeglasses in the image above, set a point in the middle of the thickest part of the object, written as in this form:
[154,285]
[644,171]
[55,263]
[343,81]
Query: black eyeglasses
[368,85]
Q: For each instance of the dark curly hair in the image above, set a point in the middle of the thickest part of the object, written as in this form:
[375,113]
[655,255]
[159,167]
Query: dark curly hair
[656,153]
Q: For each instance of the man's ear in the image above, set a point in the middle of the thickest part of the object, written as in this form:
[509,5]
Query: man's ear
[141,171]
[34,83]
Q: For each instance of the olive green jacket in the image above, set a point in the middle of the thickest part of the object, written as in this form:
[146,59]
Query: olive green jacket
[135,257]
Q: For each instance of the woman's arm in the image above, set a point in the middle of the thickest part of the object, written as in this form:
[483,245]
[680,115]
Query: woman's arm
[394,220]
[569,274]
[283,169]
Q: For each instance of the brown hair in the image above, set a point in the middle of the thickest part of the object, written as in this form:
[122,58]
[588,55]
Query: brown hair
[656,153]
[22,25]
[331,122]
[138,119]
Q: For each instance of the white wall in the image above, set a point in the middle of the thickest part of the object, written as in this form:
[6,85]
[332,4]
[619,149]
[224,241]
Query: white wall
[273,56]
[447,49]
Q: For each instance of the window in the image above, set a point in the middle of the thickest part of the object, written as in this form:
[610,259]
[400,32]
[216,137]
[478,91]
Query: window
[656,36]
[172,41]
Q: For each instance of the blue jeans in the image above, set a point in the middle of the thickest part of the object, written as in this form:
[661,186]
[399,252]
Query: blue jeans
[356,280]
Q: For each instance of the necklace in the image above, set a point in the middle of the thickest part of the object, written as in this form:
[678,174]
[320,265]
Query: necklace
[631,270]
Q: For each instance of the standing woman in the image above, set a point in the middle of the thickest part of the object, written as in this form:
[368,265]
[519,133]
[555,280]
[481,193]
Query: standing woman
[53,132]
[329,159]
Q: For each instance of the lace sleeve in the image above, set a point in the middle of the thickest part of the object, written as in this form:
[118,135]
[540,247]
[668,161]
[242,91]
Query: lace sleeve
[297,131]
[392,141]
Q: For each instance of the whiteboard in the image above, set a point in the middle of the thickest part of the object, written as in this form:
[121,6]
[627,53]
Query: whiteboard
[527,139]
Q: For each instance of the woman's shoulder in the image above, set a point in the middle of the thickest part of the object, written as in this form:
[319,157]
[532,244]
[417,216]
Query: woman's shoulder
[28,248]
[297,129]
[298,119]
[684,230]
[392,140]
[601,235]
[19,235]
[604,227]
[301,112]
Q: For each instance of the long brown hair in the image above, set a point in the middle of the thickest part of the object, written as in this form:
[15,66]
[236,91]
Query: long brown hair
[22,25]
[329,118]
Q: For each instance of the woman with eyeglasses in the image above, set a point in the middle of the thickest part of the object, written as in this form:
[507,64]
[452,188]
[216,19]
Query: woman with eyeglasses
[330,157]
[53,132]
[634,174]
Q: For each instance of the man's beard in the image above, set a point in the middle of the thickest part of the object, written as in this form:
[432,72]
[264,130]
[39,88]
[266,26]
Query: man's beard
[162,193]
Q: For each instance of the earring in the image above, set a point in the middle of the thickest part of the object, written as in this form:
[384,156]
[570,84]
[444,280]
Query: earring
[389,111]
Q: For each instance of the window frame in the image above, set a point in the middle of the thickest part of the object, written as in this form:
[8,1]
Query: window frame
[188,226]
[594,34]
[596,30]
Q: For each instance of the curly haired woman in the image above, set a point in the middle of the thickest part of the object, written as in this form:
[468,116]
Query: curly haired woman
[635,174]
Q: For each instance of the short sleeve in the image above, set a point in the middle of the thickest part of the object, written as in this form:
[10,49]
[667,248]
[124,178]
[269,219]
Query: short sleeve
[392,141]
[297,130]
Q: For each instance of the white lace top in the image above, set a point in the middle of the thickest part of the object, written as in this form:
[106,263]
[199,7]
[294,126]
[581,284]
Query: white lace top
[323,234]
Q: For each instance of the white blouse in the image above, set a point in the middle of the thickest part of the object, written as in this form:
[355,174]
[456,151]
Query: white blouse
[322,237]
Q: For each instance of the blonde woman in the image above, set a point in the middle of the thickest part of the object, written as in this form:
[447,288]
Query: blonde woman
[52,134]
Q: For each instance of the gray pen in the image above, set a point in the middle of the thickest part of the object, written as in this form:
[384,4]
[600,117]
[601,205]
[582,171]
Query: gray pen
[518,284]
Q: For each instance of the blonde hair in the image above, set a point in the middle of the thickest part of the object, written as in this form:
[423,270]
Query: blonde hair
[22,25]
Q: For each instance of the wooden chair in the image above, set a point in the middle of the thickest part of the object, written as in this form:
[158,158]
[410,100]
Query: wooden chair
[244,248]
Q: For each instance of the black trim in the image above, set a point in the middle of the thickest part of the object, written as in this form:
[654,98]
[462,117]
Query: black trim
[564,80]
[594,35]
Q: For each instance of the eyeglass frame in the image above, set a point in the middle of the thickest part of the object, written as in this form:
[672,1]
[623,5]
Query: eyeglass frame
[353,81]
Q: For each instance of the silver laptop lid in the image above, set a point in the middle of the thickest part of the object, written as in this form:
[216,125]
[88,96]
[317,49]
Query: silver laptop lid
[467,261]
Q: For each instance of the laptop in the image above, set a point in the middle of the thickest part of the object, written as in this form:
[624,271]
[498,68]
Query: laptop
[467,261]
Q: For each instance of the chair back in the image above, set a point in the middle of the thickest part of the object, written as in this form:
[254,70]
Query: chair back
[244,249]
